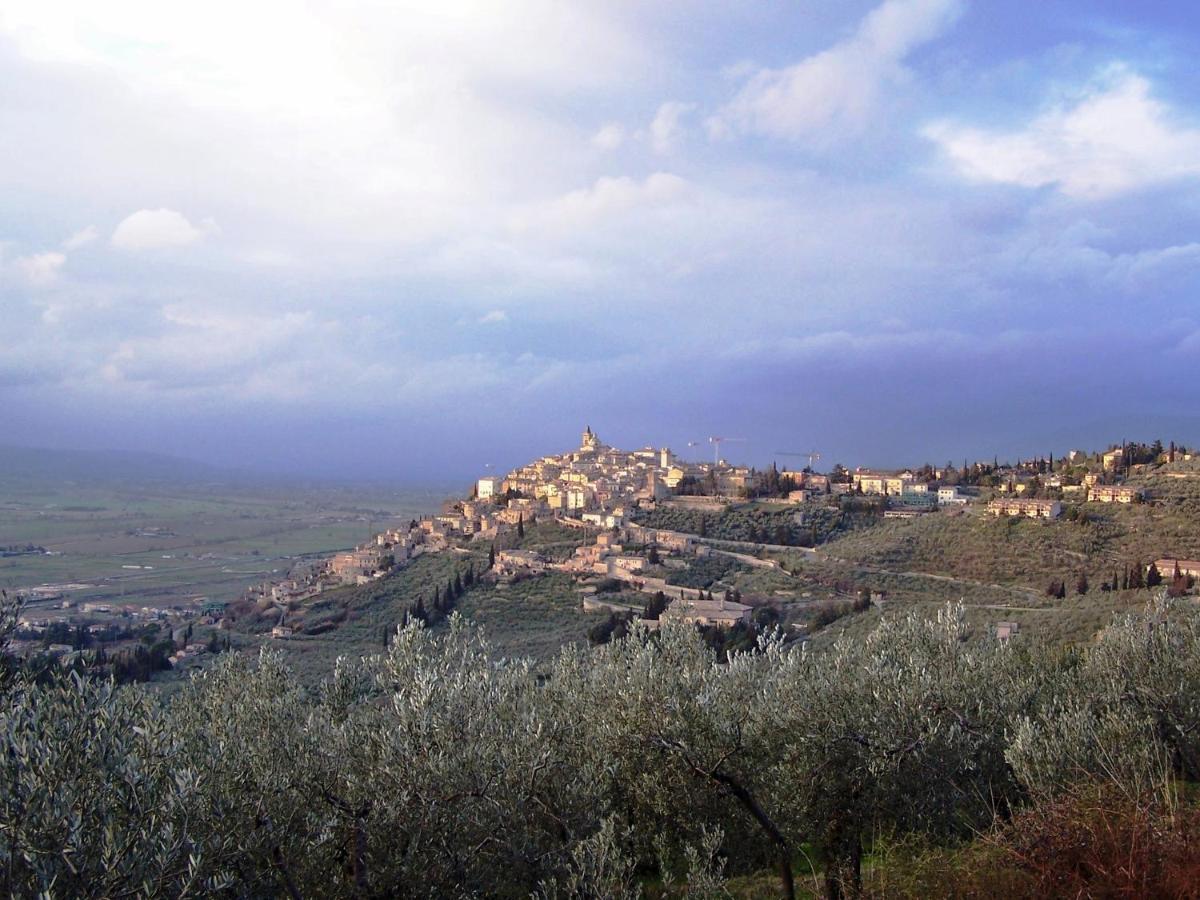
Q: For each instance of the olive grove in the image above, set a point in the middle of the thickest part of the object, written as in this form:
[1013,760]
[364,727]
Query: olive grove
[437,769]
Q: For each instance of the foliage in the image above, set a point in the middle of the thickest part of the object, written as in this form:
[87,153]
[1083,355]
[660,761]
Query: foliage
[438,768]
[757,523]
[703,571]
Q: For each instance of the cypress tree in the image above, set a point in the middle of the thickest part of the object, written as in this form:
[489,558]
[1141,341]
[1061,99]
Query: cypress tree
[1153,576]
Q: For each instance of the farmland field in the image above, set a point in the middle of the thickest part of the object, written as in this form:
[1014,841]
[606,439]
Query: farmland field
[163,542]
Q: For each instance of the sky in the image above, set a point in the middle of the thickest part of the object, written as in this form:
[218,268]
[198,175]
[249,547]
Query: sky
[413,240]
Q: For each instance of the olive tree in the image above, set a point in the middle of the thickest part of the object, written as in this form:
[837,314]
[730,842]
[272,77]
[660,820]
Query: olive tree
[1127,711]
[905,729]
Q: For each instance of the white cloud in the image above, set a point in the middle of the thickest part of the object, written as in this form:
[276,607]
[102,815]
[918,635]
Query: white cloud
[609,137]
[152,229]
[667,127]
[193,346]
[81,238]
[834,93]
[1117,138]
[495,317]
[610,196]
[40,269]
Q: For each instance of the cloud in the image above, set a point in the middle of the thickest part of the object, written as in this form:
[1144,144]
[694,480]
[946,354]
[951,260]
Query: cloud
[835,93]
[609,137]
[667,127]
[1117,138]
[610,196]
[40,269]
[495,317]
[81,238]
[152,229]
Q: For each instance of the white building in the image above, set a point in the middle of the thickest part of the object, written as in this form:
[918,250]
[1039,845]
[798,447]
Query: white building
[488,487]
[949,496]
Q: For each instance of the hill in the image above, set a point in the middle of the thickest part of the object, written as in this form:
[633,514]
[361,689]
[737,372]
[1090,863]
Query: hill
[533,617]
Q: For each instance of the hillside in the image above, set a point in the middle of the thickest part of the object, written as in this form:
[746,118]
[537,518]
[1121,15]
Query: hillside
[999,567]
[532,618]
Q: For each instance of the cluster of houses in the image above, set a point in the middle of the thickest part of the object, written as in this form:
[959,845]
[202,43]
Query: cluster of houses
[908,496]
[599,483]
[385,551]
[596,487]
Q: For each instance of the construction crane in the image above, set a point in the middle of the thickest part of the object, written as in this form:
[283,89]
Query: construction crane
[718,441]
[812,455]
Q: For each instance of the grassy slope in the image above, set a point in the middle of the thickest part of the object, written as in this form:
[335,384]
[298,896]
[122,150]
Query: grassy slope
[531,618]
[1022,556]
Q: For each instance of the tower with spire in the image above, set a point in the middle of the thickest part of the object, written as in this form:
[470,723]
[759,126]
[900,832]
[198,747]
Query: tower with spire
[589,442]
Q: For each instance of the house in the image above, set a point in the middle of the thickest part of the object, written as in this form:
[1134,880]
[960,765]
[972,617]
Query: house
[734,483]
[1113,493]
[603,519]
[674,475]
[1033,509]
[950,495]
[914,500]
[488,487]
[669,541]
[281,631]
[1113,458]
[347,567]
[511,562]
[870,482]
[1007,630]
[631,564]
[722,613]
[810,480]
[1187,567]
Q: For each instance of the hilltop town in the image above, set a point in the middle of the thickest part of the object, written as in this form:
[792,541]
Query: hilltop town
[622,535]
[638,529]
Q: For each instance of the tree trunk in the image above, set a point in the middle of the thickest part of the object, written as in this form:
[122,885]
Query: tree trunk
[783,850]
[843,862]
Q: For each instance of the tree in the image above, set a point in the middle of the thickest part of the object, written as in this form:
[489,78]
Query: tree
[1137,578]
[442,764]
[652,556]
[1153,576]
[492,556]
[1081,584]
[521,525]
[656,606]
